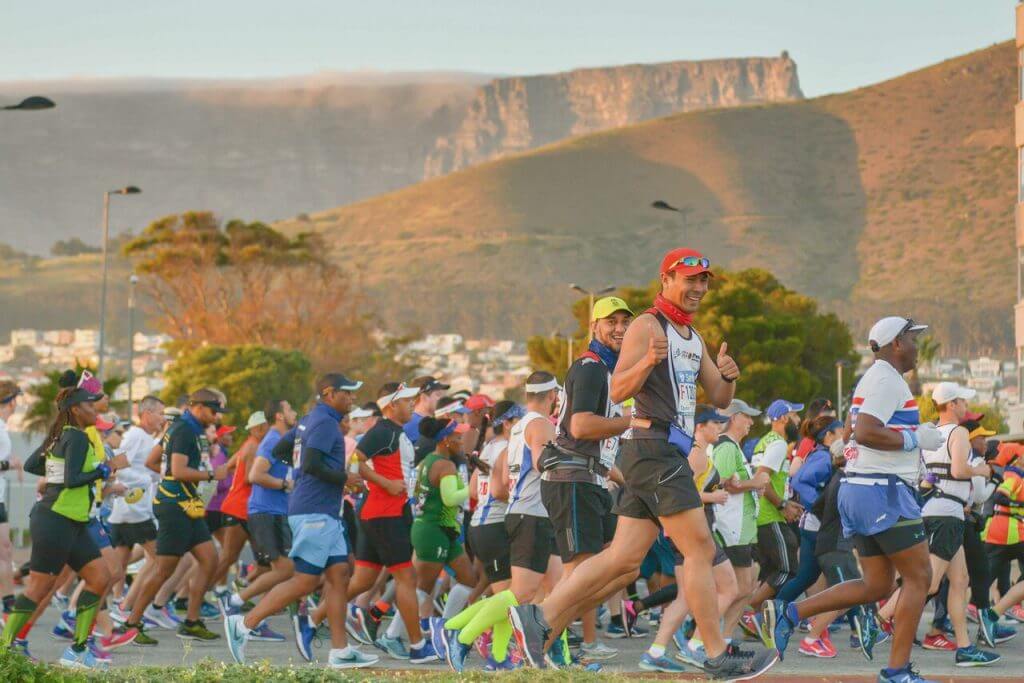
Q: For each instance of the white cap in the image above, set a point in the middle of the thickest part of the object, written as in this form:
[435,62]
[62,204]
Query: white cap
[360,412]
[945,392]
[402,392]
[885,330]
[255,420]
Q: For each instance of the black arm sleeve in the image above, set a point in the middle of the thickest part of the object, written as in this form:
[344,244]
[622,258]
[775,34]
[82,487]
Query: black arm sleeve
[284,447]
[36,463]
[76,447]
[313,464]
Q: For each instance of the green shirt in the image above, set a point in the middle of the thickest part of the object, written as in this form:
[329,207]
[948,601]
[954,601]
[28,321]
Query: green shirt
[729,460]
[70,472]
[770,452]
[431,508]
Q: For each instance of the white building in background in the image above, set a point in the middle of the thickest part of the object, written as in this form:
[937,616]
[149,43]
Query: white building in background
[24,337]
[86,340]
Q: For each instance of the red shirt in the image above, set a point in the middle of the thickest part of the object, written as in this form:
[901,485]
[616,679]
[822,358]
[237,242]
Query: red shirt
[383,446]
[236,503]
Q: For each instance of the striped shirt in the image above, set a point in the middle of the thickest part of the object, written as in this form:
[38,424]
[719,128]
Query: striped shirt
[884,394]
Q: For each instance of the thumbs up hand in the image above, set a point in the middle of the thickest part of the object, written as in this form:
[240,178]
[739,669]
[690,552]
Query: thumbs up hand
[726,365]
[657,351]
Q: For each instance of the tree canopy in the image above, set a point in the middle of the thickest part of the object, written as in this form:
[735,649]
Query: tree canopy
[44,398]
[249,375]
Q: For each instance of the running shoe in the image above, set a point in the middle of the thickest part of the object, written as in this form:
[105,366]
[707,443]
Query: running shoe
[629,614]
[867,632]
[491,666]
[81,660]
[100,653]
[938,641]
[353,629]
[945,625]
[263,633]
[1004,633]
[973,614]
[425,654]
[1015,613]
[118,615]
[304,634]
[353,660]
[62,631]
[119,637]
[680,638]
[750,624]
[143,638]
[196,631]
[558,655]
[60,601]
[692,654]
[660,664]
[597,652]
[740,665]
[805,625]
[987,621]
[368,626]
[162,618]
[817,648]
[907,674]
[777,628]
[425,626]
[20,645]
[615,630]
[394,647]
[223,599]
[603,615]
[210,611]
[445,643]
[235,636]
[482,644]
[531,632]
[972,656]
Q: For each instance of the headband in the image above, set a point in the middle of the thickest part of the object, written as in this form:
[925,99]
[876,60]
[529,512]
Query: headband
[835,424]
[448,430]
[541,388]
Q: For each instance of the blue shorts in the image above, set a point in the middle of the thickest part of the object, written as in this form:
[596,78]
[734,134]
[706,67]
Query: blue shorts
[318,541]
[660,558]
[870,509]
[98,533]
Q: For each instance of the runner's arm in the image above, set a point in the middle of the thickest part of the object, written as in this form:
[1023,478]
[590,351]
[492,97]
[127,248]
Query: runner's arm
[590,380]
[259,474]
[960,453]
[872,432]
[643,347]
[453,492]
[499,476]
[182,472]
[615,474]
[473,485]
[36,463]
[313,464]
[153,459]
[74,461]
[538,434]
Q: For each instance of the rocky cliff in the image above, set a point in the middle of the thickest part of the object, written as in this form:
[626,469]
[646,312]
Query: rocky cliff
[511,115]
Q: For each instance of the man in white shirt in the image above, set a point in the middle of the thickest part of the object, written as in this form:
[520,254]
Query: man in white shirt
[131,518]
[9,393]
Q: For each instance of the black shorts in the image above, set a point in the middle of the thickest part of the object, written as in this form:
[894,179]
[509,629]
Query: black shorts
[659,481]
[945,536]
[127,534]
[777,553]
[532,541]
[581,516]
[270,537]
[492,546]
[176,532]
[720,554]
[3,513]
[740,555]
[385,542]
[214,520]
[906,533]
[838,566]
[59,541]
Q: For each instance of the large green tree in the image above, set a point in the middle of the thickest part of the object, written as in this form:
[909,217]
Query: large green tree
[785,346]
[248,374]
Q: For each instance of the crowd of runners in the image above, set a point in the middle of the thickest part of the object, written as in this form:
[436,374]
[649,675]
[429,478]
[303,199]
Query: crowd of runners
[629,501]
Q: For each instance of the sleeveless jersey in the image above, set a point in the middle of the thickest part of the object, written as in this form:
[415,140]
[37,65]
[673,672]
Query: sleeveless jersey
[489,510]
[938,462]
[431,508]
[523,476]
[670,392]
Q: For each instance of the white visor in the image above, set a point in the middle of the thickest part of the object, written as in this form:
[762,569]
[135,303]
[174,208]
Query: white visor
[541,388]
[448,409]
[402,392]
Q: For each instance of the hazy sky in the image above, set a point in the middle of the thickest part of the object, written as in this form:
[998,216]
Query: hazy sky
[837,45]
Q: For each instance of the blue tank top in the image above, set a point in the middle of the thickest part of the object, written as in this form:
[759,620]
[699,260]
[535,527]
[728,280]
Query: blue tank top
[262,499]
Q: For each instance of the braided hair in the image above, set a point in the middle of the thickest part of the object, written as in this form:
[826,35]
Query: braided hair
[67,382]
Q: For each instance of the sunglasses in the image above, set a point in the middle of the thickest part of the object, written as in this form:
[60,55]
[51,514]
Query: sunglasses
[906,328]
[693,261]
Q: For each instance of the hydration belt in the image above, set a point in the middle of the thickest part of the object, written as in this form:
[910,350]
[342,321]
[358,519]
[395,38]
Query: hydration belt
[940,471]
[893,483]
[556,457]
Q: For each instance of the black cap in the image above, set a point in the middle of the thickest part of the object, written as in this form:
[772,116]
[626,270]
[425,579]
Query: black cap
[79,395]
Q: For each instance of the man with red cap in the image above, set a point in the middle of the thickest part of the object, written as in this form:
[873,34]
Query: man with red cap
[662,360]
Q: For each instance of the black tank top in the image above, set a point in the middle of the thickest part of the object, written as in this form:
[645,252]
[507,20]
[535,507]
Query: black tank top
[670,392]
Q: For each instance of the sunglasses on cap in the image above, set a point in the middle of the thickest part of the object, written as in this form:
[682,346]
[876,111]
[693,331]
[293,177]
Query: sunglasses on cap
[693,261]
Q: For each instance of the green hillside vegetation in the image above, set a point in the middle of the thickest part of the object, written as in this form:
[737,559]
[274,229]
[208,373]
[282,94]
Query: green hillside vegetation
[895,198]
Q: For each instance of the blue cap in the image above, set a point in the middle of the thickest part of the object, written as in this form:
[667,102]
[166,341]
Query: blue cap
[709,416]
[780,407]
[462,410]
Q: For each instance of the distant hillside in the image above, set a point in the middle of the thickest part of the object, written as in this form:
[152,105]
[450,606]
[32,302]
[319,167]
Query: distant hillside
[895,198]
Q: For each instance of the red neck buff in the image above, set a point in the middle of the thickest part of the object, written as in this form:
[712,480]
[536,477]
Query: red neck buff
[672,312]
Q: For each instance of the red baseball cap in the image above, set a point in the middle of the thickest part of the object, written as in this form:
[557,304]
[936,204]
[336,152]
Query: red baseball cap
[103,425]
[685,261]
[479,402]
[972,416]
[224,429]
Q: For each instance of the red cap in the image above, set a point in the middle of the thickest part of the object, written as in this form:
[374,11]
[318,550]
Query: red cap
[1008,452]
[479,402]
[972,416]
[103,425]
[224,429]
[461,428]
[671,262]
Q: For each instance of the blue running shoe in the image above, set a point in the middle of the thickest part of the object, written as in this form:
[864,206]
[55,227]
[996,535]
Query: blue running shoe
[679,638]
[20,645]
[987,620]
[235,636]
[972,656]
[615,631]
[438,637]
[491,666]
[867,631]
[452,651]
[354,660]
[425,626]
[558,655]
[304,635]
[81,660]
[1003,633]
[223,599]
[662,664]
[394,647]
[426,653]
[694,656]
[907,674]
[264,633]
[62,632]
[777,626]
[209,611]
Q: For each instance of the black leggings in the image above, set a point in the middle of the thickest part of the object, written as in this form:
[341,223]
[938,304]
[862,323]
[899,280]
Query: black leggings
[977,558]
[1001,559]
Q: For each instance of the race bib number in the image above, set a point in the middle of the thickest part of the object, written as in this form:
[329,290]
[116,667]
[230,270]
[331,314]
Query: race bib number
[483,487]
[687,400]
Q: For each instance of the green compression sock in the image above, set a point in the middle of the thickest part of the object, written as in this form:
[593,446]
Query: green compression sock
[85,615]
[19,616]
[462,618]
[495,612]
[502,635]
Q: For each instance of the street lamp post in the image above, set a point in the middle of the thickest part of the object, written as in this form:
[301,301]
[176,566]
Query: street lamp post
[840,364]
[590,298]
[130,189]
[132,281]
[34,103]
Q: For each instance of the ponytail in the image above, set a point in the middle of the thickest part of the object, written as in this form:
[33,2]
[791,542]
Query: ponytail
[62,420]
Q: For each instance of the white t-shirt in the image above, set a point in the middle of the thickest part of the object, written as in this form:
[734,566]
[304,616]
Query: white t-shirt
[883,393]
[773,457]
[5,454]
[137,445]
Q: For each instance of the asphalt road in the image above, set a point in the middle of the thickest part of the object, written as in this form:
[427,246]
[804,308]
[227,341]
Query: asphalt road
[850,665]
